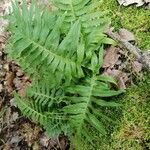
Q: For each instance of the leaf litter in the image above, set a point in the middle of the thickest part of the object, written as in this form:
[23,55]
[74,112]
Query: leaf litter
[130,2]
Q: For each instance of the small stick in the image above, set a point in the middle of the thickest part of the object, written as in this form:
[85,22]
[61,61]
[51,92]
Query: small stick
[144,59]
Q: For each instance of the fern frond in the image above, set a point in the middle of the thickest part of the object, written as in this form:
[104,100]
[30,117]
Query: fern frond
[45,95]
[41,104]
[82,109]
[30,112]
[35,41]
[85,11]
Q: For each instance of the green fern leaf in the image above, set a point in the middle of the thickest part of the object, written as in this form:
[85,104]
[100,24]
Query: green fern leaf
[37,43]
[30,112]
[84,10]
[82,109]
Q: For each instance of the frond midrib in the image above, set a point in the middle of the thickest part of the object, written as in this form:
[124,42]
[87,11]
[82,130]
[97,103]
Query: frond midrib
[42,95]
[92,83]
[31,109]
[72,8]
[61,58]
[66,60]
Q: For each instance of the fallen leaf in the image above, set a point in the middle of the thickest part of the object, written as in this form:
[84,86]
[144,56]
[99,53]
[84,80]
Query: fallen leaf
[9,81]
[12,102]
[16,139]
[7,146]
[19,73]
[63,142]
[126,35]
[1,87]
[111,57]
[129,2]
[119,75]
[31,134]
[14,116]
[121,83]
[1,102]
[147,1]
[44,140]
[136,66]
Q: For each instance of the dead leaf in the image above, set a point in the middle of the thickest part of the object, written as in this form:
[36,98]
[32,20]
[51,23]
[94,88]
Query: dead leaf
[35,146]
[29,133]
[129,2]
[111,57]
[7,146]
[12,102]
[63,142]
[22,92]
[1,87]
[9,81]
[16,139]
[14,116]
[44,140]
[136,66]
[19,73]
[126,35]
[119,75]
[147,1]
[121,83]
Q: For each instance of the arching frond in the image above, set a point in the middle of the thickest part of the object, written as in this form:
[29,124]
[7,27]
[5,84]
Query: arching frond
[82,109]
[45,95]
[41,104]
[26,108]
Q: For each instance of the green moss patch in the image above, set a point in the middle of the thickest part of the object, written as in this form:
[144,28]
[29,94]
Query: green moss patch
[133,131]
[135,19]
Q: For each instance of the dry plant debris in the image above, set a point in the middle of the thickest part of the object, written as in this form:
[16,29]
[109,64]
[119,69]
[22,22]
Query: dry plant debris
[130,2]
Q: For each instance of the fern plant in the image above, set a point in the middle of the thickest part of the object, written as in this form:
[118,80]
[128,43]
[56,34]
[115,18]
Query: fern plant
[62,51]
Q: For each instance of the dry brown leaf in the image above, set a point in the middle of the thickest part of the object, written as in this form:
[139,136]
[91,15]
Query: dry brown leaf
[111,57]
[29,133]
[136,66]
[121,83]
[119,75]
[9,81]
[63,142]
[22,92]
[1,87]
[14,116]
[1,103]
[7,146]
[126,35]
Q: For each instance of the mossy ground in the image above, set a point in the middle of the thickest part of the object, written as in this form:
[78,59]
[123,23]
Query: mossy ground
[136,20]
[132,130]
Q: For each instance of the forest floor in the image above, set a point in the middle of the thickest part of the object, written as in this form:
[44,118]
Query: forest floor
[131,131]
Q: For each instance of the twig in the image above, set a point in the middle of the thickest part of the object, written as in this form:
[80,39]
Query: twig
[144,59]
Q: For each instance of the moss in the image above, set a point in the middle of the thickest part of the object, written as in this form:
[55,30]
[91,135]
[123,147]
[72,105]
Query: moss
[136,20]
[132,130]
